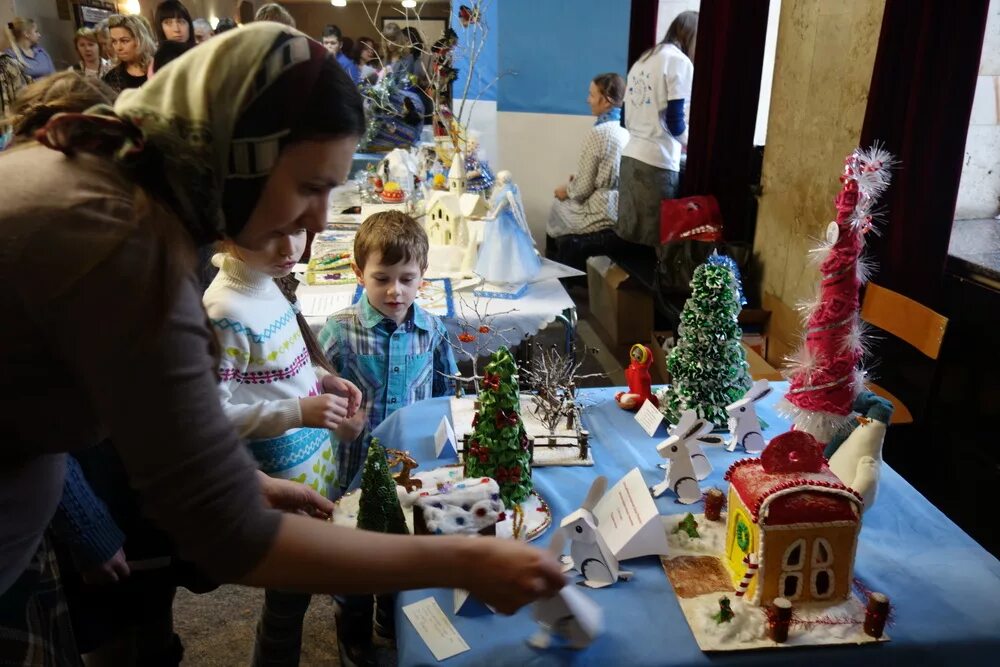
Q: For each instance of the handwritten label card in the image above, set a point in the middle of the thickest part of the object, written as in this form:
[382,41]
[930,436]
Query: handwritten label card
[628,519]
[435,629]
[649,418]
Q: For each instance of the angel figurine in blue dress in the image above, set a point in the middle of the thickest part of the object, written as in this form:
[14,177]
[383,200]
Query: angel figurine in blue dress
[507,253]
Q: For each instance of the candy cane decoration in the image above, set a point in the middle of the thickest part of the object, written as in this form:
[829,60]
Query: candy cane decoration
[751,562]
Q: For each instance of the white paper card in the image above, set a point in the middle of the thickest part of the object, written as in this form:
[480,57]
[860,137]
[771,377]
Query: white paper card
[322,304]
[435,629]
[628,519]
[649,417]
[444,440]
[466,605]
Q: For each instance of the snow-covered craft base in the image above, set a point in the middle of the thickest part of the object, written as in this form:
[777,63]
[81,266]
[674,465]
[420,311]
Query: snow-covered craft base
[464,409]
[537,515]
[699,583]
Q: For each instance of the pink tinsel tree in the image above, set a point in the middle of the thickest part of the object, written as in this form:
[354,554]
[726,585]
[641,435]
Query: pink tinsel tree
[825,373]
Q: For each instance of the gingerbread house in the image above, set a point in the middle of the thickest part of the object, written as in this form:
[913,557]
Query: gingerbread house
[796,518]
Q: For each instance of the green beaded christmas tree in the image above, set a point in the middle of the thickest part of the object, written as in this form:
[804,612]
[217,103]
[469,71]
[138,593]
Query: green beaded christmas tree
[379,509]
[708,365]
[498,445]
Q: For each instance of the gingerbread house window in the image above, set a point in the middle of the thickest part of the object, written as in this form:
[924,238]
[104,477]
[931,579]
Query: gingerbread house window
[791,585]
[793,556]
[822,583]
[822,554]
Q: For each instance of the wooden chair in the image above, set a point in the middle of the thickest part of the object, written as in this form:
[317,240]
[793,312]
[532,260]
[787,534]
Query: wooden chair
[914,324]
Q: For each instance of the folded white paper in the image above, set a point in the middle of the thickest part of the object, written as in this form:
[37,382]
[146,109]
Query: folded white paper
[629,521]
[649,418]
[444,440]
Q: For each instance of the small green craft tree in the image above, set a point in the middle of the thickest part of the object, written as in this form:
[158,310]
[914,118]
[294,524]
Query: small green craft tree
[498,445]
[379,509]
[708,365]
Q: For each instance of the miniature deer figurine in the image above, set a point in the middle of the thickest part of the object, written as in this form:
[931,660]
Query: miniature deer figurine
[680,476]
[568,615]
[589,553]
[743,422]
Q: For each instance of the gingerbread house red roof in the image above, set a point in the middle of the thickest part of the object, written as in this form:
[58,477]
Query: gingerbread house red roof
[791,483]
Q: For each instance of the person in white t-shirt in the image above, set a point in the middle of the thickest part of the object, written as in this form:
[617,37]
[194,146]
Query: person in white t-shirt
[656,98]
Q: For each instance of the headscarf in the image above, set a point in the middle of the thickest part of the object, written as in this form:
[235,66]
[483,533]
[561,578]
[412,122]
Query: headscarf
[217,117]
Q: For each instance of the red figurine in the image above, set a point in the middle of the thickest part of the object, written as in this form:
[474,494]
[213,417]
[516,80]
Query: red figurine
[640,384]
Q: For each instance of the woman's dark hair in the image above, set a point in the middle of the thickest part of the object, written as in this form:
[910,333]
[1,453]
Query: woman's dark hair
[362,44]
[172,9]
[62,92]
[682,33]
[415,38]
[612,86]
[224,25]
[167,52]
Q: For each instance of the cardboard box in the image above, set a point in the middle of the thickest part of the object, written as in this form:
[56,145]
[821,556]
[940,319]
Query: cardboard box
[754,322]
[622,308]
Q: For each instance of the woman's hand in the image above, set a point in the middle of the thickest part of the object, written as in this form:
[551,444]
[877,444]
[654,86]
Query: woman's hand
[288,496]
[324,411]
[561,193]
[334,384]
[111,571]
[507,574]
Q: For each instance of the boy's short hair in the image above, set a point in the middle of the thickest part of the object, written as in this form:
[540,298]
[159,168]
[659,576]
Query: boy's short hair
[395,235]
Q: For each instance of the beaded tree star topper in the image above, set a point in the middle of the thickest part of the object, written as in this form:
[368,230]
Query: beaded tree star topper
[825,373]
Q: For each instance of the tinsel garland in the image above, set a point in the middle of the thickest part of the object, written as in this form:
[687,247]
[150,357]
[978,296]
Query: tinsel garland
[708,366]
[825,374]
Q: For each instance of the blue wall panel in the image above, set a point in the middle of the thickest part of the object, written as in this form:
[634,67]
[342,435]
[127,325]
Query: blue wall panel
[483,85]
[549,50]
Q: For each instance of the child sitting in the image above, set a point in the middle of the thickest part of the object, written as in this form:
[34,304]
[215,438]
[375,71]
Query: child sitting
[275,397]
[397,354]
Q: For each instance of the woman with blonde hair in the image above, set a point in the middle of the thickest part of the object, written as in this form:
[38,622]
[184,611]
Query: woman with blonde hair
[24,37]
[658,90]
[133,46]
[88,47]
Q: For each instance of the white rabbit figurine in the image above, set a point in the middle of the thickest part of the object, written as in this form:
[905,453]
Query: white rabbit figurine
[569,614]
[680,476]
[590,555]
[743,422]
[702,466]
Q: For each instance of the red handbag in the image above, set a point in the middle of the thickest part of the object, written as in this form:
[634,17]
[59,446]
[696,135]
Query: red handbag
[690,219]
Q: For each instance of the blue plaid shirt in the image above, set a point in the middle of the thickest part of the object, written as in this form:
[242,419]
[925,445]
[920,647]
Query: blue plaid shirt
[393,366]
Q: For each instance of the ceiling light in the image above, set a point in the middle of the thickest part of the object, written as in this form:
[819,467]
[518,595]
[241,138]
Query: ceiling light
[338,3]
[409,4]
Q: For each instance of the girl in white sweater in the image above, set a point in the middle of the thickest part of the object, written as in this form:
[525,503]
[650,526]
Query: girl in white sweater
[276,398]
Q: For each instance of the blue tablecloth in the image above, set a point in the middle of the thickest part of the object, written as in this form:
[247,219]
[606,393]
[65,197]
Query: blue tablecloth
[944,587]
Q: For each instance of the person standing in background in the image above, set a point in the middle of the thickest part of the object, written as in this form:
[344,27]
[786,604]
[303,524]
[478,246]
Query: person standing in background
[202,30]
[656,97]
[132,42]
[88,47]
[366,59]
[333,40]
[24,37]
[172,22]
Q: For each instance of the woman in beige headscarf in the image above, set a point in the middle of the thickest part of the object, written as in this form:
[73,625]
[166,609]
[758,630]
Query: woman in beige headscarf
[104,334]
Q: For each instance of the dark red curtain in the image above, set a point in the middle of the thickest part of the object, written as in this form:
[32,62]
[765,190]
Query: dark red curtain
[919,106]
[642,28]
[727,66]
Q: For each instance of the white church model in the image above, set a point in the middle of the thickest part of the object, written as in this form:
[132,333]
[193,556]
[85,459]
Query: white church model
[454,219]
